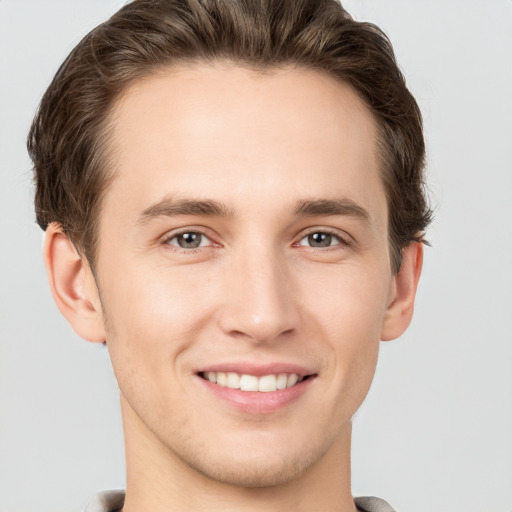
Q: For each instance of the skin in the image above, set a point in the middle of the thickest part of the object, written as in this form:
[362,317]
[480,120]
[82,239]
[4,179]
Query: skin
[256,289]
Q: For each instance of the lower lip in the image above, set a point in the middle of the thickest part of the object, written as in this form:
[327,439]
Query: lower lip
[257,402]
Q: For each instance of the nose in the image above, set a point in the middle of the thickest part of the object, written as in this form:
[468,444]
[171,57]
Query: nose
[259,301]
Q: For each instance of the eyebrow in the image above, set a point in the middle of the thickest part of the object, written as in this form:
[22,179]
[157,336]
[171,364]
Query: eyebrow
[171,206]
[331,207]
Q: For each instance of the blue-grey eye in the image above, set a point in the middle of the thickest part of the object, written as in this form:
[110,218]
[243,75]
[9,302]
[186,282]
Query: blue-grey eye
[189,240]
[320,239]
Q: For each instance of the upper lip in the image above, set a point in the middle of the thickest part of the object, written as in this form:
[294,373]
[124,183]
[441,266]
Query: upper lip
[258,370]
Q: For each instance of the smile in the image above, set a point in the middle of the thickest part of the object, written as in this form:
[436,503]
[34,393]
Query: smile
[246,382]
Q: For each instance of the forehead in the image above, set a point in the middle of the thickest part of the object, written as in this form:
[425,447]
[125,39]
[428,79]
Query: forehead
[242,135]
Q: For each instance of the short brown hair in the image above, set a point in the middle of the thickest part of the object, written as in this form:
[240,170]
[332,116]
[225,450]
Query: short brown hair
[67,140]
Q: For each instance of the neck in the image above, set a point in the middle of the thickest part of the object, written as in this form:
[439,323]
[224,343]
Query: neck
[158,480]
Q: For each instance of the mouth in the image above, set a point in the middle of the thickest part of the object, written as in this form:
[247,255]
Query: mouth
[256,389]
[253,383]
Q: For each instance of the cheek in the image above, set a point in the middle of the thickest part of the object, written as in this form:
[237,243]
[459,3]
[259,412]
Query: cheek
[156,301]
[349,302]
[149,320]
[347,316]
[153,315]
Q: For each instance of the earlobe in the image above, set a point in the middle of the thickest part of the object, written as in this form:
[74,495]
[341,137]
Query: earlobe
[399,313]
[73,286]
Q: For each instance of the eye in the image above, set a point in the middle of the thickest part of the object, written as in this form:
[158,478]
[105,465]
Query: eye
[321,239]
[189,240]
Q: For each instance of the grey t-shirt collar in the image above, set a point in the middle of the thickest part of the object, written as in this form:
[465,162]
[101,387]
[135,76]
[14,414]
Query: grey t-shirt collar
[111,501]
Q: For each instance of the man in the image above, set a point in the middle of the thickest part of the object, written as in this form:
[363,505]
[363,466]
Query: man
[233,203]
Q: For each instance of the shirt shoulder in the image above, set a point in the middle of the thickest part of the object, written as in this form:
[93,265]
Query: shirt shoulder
[106,501]
[372,504]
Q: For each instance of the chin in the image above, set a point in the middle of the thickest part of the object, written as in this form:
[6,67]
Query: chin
[252,474]
[246,468]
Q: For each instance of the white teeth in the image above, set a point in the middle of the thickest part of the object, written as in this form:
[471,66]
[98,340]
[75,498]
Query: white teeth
[248,383]
[292,379]
[233,380]
[222,379]
[264,384]
[267,383]
[282,380]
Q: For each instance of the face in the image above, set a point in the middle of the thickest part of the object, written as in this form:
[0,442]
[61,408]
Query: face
[243,243]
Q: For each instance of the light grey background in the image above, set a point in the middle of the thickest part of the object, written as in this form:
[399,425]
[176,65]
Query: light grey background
[435,433]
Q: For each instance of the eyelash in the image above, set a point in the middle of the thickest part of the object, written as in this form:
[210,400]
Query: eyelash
[342,241]
[167,240]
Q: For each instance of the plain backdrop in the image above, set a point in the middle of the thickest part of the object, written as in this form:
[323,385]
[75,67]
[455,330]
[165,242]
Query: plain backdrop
[435,433]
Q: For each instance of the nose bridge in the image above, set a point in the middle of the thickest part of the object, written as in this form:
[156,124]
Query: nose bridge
[258,294]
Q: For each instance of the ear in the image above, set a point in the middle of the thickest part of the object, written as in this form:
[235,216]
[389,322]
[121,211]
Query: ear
[398,316]
[73,285]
